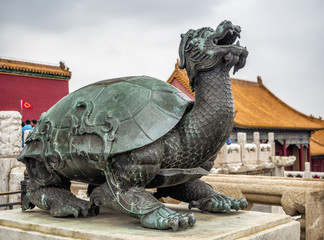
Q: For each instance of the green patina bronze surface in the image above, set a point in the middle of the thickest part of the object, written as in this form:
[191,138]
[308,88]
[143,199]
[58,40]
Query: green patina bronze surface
[124,135]
[141,109]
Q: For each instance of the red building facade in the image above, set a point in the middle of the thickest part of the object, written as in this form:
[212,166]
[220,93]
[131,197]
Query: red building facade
[37,84]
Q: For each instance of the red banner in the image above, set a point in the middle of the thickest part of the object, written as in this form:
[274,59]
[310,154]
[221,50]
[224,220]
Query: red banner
[26,105]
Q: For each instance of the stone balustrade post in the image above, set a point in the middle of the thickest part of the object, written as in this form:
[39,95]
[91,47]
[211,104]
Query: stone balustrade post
[241,140]
[225,153]
[279,171]
[272,143]
[10,147]
[307,172]
[256,140]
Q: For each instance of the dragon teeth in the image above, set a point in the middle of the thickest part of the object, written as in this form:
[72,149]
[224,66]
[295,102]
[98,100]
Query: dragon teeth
[238,43]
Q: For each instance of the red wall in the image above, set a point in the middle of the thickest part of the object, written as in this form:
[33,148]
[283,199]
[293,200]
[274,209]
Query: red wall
[318,164]
[178,85]
[41,93]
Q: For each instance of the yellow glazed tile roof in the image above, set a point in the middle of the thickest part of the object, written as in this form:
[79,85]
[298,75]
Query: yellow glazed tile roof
[258,107]
[317,142]
[318,136]
[20,67]
[316,148]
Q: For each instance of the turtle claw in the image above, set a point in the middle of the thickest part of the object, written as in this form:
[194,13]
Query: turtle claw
[219,203]
[26,203]
[76,208]
[164,218]
[94,211]
[192,219]
[96,197]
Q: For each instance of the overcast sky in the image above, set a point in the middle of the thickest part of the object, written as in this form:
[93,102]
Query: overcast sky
[101,39]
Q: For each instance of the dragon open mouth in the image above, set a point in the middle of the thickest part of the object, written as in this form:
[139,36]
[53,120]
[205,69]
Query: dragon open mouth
[227,38]
[224,37]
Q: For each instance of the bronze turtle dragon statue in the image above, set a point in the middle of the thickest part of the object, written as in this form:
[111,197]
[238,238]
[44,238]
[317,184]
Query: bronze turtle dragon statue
[124,135]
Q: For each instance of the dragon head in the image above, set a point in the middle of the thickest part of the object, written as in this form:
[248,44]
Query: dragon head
[205,48]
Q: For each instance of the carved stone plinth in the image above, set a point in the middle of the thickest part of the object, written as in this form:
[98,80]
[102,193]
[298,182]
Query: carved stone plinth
[39,225]
[10,137]
[10,146]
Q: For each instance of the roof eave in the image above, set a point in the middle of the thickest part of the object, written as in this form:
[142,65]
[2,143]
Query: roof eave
[275,127]
[37,75]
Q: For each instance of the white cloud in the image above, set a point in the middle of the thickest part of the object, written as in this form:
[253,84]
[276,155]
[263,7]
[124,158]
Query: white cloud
[106,39]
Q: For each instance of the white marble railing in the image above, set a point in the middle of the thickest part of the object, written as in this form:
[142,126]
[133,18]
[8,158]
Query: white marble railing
[304,174]
[316,175]
[256,157]
[297,196]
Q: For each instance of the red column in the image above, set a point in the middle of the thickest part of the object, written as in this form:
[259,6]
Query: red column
[284,149]
[301,158]
[309,157]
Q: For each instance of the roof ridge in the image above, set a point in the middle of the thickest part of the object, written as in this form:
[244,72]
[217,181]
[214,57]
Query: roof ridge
[9,65]
[26,62]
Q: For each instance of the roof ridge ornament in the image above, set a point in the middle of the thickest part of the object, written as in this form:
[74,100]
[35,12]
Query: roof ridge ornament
[259,80]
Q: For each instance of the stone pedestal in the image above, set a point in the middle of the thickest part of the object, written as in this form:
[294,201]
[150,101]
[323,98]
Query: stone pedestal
[39,225]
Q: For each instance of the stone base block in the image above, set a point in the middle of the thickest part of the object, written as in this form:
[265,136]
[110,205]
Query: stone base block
[39,225]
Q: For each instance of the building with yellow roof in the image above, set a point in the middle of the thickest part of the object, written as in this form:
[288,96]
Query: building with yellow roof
[258,109]
[317,150]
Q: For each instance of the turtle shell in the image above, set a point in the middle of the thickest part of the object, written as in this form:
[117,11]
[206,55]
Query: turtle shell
[130,112]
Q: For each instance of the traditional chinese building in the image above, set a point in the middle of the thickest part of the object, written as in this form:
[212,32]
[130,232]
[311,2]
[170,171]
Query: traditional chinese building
[317,151]
[39,85]
[257,109]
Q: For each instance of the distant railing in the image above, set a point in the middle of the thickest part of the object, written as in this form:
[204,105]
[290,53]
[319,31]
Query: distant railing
[10,205]
[22,193]
[296,174]
[304,174]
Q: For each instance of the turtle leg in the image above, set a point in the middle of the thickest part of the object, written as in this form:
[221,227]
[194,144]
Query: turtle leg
[124,191]
[53,194]
[201,195]
[138,203]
